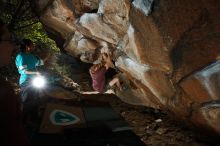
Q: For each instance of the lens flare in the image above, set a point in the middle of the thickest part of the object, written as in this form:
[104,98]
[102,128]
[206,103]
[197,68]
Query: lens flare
[39,82]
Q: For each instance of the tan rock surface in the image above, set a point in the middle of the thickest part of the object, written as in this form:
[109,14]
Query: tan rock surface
[161,46]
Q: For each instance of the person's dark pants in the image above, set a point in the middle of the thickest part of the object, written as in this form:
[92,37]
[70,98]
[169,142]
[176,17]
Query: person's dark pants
[25,92]
[30,102]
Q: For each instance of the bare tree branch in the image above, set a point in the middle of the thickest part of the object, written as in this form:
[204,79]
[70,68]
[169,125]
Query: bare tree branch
[24,26]
[25,9]
[26,18]
[14,16]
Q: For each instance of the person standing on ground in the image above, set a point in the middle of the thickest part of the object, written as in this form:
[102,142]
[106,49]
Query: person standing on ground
[26,63]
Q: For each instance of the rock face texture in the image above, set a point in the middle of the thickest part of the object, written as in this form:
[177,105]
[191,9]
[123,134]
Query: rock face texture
[165,50]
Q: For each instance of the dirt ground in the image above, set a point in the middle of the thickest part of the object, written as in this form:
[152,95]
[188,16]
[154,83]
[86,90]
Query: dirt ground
[155,127]
[152,126]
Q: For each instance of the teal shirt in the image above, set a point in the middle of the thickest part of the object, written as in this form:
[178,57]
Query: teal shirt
[26,61]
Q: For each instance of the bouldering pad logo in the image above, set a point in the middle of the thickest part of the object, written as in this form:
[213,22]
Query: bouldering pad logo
[63,118]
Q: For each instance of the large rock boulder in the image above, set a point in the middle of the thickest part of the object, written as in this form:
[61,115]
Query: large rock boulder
[165,49]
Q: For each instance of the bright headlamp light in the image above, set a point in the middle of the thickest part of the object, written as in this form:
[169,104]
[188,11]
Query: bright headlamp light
[39,82]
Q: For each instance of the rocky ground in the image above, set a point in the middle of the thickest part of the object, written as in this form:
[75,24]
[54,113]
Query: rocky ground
[155,127]
[152,126]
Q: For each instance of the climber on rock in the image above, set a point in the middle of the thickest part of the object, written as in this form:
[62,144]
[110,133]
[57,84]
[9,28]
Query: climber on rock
[98,71]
